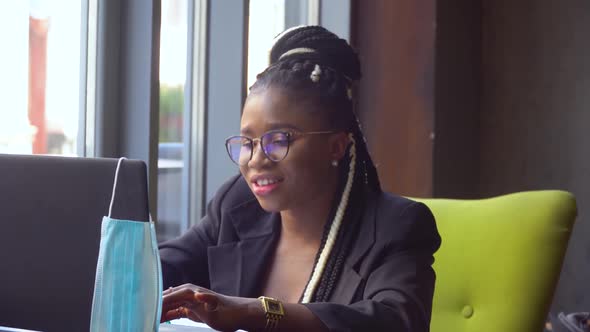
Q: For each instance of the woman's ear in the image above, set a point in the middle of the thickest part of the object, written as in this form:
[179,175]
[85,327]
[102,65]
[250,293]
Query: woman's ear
[338,144]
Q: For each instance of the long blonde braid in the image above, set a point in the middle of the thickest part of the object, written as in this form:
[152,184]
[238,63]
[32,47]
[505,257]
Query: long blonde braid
[334,228]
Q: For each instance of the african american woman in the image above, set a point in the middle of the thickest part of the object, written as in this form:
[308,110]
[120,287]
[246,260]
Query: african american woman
[304,239]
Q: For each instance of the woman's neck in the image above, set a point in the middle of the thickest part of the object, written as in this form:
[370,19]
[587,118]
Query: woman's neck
[305,224]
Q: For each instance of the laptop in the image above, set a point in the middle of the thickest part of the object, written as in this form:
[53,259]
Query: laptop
[51,210]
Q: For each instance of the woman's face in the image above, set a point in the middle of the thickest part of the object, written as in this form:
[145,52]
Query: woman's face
[306,174]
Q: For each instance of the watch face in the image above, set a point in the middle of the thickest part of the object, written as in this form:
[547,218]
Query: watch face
[273,306]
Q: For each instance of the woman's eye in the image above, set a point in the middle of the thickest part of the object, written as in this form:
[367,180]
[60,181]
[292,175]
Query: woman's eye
[280,141]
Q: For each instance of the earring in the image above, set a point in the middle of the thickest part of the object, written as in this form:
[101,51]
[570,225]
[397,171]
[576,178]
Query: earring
[335,163]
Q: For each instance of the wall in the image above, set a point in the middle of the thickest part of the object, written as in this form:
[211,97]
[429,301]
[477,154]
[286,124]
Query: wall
[535,113]
[396,101]
[510,104]
[457,99]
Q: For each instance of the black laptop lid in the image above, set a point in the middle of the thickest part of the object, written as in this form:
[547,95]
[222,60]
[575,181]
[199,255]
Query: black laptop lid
[51,209]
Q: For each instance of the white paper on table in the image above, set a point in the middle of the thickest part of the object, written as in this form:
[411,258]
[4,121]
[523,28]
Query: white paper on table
[185,324]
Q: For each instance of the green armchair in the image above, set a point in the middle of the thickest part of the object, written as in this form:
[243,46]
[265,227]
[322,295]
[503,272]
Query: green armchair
[500,260]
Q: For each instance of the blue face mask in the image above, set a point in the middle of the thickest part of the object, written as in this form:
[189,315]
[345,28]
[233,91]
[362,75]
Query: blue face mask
[128,285]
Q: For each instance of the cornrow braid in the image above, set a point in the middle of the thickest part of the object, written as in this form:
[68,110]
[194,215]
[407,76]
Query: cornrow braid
[314,66]
[325,252]
[369,170]
[348,230]
[332,50]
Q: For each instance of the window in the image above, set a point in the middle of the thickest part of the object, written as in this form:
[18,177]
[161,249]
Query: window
[173,70]
[41,77]
[203,82]
[267,19]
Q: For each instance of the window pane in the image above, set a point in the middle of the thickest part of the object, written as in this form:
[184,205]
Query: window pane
[39,85]
[267,19]
[173,59]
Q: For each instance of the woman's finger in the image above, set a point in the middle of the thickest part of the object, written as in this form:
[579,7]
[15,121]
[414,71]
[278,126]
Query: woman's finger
[190,301]
[179,288]
[210,301]
[180,312]
[178,296]
[169,305]
[185,288]
[168,291]
[194,302]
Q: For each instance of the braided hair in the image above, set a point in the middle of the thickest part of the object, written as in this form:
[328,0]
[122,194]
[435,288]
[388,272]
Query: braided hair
[314,65]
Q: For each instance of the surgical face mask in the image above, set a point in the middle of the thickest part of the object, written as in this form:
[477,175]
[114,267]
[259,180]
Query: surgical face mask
[128,284]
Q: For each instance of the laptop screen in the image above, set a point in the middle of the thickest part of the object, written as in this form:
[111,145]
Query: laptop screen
[51,209]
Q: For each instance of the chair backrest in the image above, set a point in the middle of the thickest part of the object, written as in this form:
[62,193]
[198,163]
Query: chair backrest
[500,260]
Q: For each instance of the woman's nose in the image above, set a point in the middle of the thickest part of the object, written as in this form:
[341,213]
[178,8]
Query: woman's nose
[258,157]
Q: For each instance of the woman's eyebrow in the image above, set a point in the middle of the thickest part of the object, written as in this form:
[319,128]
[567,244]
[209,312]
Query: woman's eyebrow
[282,125]
[272,126]
[245,130]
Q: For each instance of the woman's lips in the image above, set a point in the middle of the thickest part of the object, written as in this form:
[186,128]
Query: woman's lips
[265,189]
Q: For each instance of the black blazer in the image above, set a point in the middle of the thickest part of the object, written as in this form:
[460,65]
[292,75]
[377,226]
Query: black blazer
[386,284]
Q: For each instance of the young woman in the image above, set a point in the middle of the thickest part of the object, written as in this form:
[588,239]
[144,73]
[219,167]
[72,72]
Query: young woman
[304,239]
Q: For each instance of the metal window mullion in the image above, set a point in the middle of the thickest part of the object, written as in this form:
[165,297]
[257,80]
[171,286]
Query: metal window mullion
[313,12]
[297,12]
[226,85]
[127,81]
[103,127]
[83,87]
[334,15]
[88,56]
[193,172]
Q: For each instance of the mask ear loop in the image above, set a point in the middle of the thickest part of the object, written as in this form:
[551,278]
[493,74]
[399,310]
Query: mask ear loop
[115,186]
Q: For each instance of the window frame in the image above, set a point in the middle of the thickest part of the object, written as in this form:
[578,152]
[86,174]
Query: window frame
[122,117]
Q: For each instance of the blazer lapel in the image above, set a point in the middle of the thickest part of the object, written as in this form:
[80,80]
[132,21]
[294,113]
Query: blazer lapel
[346,287]
[236,268]
[350,279]
[366,236]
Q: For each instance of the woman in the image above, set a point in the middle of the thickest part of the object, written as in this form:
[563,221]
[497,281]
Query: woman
[305,224]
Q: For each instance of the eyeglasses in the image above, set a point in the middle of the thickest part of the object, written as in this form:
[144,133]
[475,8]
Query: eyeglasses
[275,145]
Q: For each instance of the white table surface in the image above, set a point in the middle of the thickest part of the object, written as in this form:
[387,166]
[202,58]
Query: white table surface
[186,325]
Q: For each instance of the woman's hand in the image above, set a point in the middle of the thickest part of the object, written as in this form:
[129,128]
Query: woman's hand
[223,313]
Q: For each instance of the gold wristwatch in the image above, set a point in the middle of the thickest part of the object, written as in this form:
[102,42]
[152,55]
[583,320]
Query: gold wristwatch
[273,309]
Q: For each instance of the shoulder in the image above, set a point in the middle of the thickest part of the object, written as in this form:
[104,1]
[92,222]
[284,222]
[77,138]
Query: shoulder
[391,203]
[399,218]
[391,206]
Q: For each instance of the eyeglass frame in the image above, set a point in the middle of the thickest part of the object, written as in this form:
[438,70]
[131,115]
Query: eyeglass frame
[291,136]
